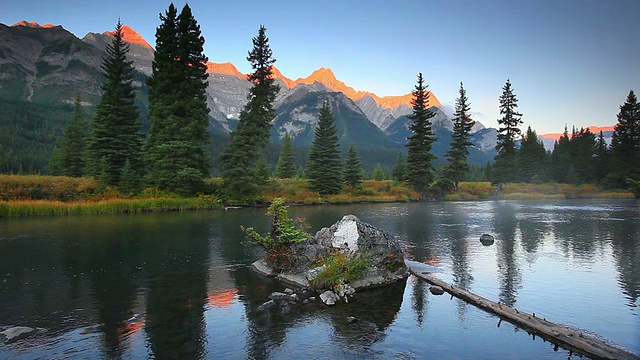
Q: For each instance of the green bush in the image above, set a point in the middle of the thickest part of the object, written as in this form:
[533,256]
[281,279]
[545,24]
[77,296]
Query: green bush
[339,268]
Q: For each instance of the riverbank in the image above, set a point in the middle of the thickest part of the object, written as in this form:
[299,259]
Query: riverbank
[38,195]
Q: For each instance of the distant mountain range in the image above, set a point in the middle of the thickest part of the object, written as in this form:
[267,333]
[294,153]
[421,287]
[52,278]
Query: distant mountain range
[46,64]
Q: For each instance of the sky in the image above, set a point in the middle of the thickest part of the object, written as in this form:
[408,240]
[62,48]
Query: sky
[570,62]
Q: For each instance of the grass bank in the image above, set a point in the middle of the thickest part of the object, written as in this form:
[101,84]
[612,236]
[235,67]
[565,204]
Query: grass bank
[36,195]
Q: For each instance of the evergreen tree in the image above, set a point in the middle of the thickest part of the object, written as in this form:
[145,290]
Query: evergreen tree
[115,137]
[300,174]
[252,131]
[378,173]
[73,145]
[129,180]
[583,146]
[286,167]
[458,167]
[504,169]
[531,157]
[177,156]
[625,144]
[55,163]
[601,159]
[561,158]
[324,168]
[400,170]
[353,169]
[420,168]
[261,170]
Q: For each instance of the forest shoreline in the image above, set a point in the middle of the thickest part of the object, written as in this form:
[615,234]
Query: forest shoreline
[36,195]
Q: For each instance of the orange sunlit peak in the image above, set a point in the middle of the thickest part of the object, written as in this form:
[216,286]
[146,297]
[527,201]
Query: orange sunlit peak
[223,68]
[131,36]
[32,24]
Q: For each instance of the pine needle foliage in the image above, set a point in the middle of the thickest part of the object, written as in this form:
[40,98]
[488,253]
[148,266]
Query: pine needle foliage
[115,136]
[458,168]
[324,167]
[505,166]
[420,167]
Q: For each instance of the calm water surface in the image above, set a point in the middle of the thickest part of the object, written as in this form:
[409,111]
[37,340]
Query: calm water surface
[179,285]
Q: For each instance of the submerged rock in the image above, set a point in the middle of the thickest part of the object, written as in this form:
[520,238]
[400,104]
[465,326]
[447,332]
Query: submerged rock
[487,239]
[436,290]
[16,333]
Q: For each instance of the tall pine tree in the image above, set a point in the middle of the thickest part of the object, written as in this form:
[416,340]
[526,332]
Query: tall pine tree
[324,167]
[458,167]
[73,145]
[420,168]
[601,159]
[625,144]
[177,157]
[252,131]
[399,172]
[115,136]
[353,169]
[286,167]
[504,169]
[531,157]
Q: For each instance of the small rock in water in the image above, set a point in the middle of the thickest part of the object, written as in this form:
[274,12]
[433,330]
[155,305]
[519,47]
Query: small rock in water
[329,297]
[279,296]
[16,333]
[487,239]
[436,290]
[288,291]
[266,305]
[351,319]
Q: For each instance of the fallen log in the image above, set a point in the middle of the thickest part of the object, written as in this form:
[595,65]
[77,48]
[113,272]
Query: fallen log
[555,333]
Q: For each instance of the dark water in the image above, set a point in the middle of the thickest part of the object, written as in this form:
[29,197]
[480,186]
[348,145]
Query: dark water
[179,285]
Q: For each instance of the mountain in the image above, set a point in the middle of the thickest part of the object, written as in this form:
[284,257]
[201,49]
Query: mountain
[43,68]
[484,139]
[548,140]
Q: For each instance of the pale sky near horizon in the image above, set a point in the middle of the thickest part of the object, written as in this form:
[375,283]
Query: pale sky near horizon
[570,62]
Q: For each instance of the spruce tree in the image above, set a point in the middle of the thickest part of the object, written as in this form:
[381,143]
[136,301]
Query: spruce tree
[177,157]
[420,168]
[353,169]
[252,131]
[504,169]
[601,159]
[583,148]
[458,167]
[115,137]
[286,167]
[261,171]
[531,157]
[55,163]
[378,173]
[324,167]
[625,144]
[399,172]
[73,145]
[561,158]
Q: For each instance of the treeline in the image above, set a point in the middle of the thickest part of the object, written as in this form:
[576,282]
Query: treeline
[175,155]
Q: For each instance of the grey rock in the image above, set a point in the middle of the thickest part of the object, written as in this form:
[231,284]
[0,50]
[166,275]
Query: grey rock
[436,290]
[266,305]
[352,319]
[288,291]
[16,333]
[487,239]
[329,297]
[282,297]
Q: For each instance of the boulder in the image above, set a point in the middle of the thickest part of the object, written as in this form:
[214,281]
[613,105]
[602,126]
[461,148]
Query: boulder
[16,333]
[329,297]
[487,239]
[352,237]
[436,290]
[349,237]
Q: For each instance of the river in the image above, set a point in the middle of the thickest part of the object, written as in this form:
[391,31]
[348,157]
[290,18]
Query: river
[179,285]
